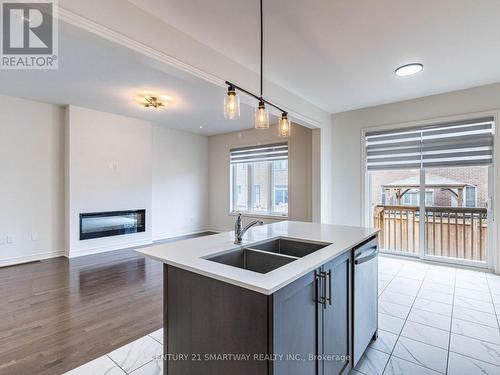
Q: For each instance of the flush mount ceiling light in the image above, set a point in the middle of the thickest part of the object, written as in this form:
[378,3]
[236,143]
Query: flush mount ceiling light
[151,101]
[232,101]
[409,69]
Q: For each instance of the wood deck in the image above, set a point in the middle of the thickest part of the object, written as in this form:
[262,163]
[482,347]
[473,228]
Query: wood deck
[453,232]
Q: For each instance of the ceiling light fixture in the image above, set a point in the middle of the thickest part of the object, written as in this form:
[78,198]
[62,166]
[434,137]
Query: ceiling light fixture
[284,126]
[409,69]
[261,116]
[231,99]
[231,103]
[151,101]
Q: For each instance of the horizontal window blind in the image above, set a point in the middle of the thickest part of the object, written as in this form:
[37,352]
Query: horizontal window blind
[464,143]
[276,151]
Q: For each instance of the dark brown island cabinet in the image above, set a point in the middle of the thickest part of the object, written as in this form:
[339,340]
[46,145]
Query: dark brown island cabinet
[306,327]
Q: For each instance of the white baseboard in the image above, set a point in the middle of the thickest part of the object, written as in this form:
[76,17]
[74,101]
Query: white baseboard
[129,245]
[74,254]
[30,258]
[167,236]
[104,249]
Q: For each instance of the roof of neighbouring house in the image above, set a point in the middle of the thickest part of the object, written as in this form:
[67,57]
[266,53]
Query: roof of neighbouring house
[431,180]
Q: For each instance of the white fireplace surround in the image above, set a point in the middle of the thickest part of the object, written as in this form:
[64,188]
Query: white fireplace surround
[110,166]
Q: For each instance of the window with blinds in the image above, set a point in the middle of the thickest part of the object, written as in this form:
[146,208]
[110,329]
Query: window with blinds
[276,151]
[259,179]
[454,144]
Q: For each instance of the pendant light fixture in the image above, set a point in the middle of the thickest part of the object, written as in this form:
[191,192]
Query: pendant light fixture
[261,116]
[232,103]
[284,126]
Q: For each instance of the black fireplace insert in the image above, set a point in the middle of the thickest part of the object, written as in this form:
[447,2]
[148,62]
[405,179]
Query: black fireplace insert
[111,223]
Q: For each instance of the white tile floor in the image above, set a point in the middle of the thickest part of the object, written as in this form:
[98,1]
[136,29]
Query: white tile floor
[135,358]
[432,319]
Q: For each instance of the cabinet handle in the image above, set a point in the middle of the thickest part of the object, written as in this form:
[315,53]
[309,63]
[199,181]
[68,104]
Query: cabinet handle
[320,298]
[329,276]
[324,298]
[316,287]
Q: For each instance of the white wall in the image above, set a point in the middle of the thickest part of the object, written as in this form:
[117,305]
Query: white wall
[347,141]
[109,165]
[300,159]
[180,182]
[31,180]
[326,174]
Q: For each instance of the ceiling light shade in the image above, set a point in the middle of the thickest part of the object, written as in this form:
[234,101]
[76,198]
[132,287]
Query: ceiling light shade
[261,116]
[231,104]
[284,126]
[409,69]
[150,101]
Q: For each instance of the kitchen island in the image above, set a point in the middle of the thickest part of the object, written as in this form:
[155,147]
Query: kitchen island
[285,301]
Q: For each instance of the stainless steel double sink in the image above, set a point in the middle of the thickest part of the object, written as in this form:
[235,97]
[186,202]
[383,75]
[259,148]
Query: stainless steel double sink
[264,257]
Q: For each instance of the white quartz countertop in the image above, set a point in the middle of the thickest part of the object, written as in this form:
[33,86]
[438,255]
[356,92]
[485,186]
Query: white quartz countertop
[189,254]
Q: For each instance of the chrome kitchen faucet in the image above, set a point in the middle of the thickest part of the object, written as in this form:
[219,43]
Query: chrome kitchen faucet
[239,232]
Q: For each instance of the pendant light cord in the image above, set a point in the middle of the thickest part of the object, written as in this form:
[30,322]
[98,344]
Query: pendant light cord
[259,98]
[261,48]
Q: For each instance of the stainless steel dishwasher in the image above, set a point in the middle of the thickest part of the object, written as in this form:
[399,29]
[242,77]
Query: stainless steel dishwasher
[365,296]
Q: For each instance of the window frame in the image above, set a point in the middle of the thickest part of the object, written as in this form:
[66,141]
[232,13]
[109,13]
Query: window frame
[282,189]
[431,191]
[411,195]
[256,192]
[250,198]
[416,193]
[383,196]
[475,195]
[493,208]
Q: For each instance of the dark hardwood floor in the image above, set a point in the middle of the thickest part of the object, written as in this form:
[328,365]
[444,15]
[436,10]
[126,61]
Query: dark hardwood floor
[58,314]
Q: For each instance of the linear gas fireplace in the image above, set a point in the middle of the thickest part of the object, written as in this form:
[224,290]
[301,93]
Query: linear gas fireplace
[112,223]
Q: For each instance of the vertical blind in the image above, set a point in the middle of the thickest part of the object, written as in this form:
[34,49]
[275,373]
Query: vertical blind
[275,151]
[452,144]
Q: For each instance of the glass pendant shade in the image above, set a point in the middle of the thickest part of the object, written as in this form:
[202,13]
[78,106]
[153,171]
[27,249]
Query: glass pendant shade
[231,104]
[284,126]
[261,116]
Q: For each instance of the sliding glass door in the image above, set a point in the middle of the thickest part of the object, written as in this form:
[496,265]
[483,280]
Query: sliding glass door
[456,214]
[394,208]
[429,190]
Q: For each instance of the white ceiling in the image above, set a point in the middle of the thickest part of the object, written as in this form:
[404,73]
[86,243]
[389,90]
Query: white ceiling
[341,54]
[101,75]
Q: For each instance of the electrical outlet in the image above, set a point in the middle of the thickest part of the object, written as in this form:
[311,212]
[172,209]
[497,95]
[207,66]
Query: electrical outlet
[10,239]
[34,236]
[3,239]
